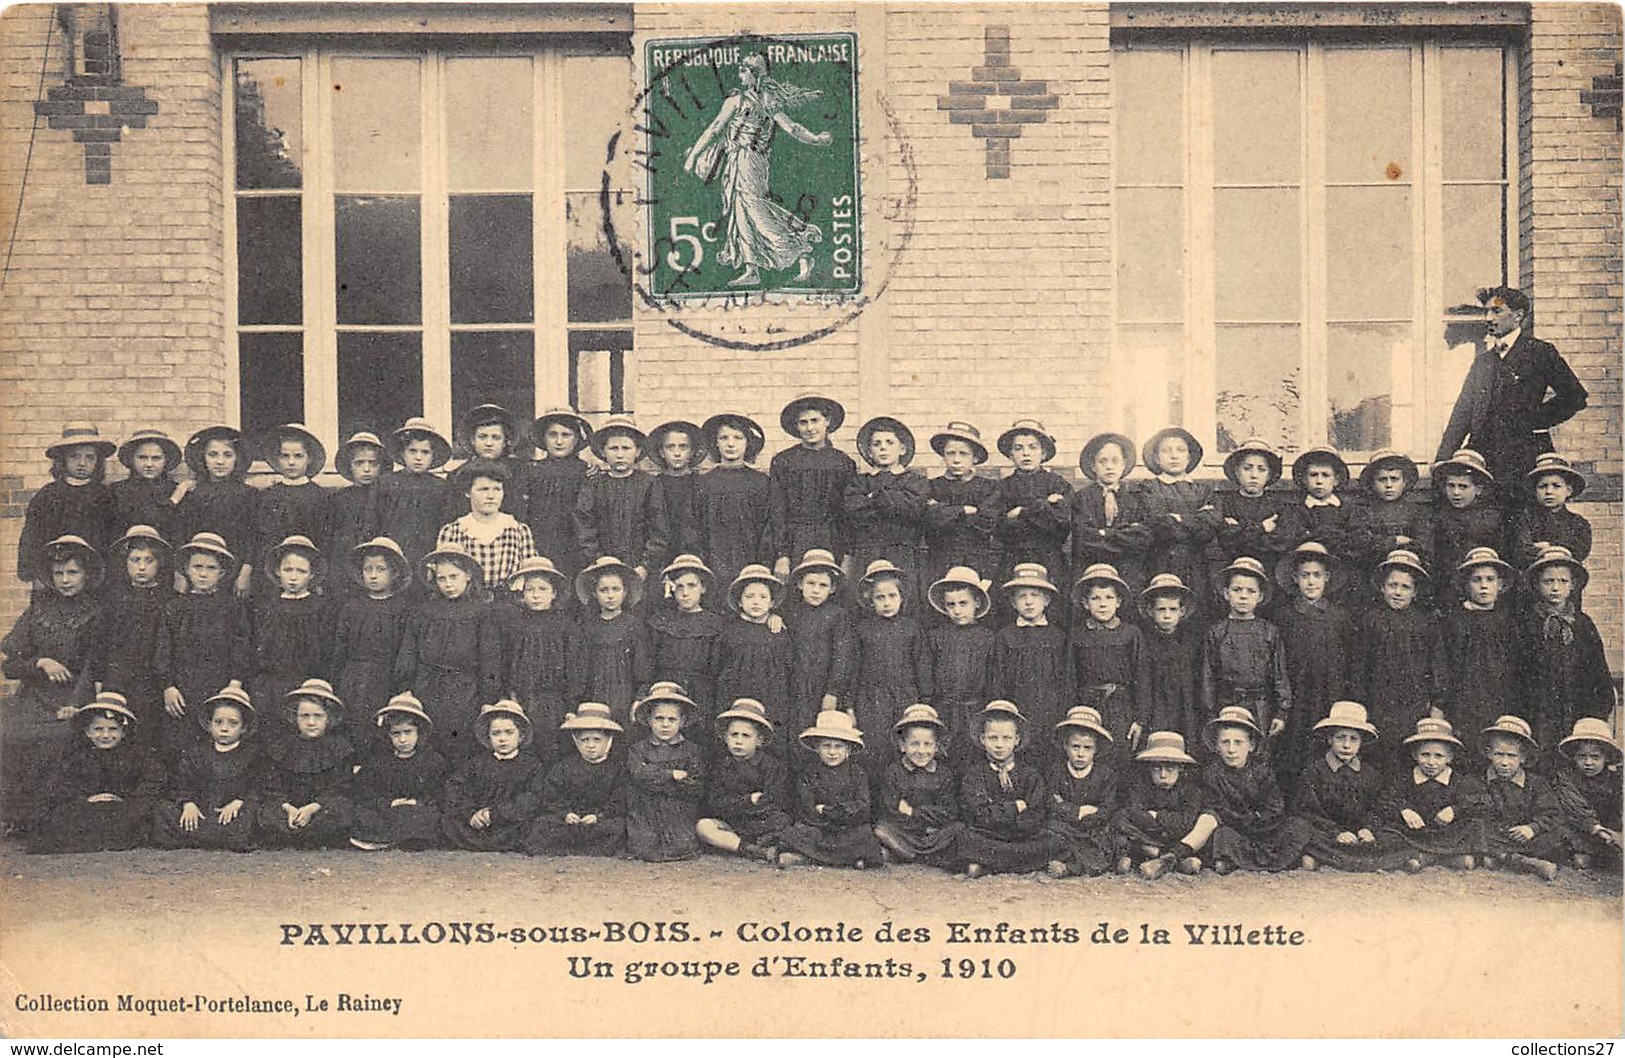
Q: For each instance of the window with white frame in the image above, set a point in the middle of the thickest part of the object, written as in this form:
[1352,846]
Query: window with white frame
[417,233]
[1294,224]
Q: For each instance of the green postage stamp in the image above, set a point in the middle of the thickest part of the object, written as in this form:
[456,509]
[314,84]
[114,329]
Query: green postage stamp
[752,166]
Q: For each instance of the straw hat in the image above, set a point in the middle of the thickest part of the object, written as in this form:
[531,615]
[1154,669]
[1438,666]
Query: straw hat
[755,438]
[1286,567]
[748,709]
[560,417]
[1558,556]
[587,580]
[457,556]
[75,434]
[831,410]
[591,716]
[538,566]
[961,431]
[391,552]
[298,545]
[878,569]
[918,715]
[755,573]
[199,441]
[271,443]
[1148,453]
[665,692]
[1164,747]
[172,451]
[418,428]
[691,564]
[347,450]
[110,704]
[1099,573]
[139,535]
[1516,727]
[207,544]
[1230,716]
[1480,556]
[1083,718]
[1046,441]
[1164,584]
[832,723]
[1086,458]
[485,415]
[1388,457]
[320,690]
[1320,455]
[816,560]
[404,704]
[696,441]
[1464,461]
[506,707]
[889,425]
[1407,561]
[618,426]
[1589,729]
[1029,575]
[1253,446]
[956,579]
[1349,715]
[71,546]
[231,694]
[1431,729]
[1249,566]
[1552,463]
[1001,709]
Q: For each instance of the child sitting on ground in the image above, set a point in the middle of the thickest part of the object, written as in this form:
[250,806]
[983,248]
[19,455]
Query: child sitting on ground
[1436,810]
[1524,826]
[1588,787]
[665,779]
[99,797]
[918,804]
[746,787]
[307,801]
[398,791]
[490,798]
[1339,798]
[1084,798]
[1004,800]
[832,810]
[1164,824]
[215,789]
[1255,833]
[583,795]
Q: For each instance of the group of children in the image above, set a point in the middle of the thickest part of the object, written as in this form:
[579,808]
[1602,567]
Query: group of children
[1240,623]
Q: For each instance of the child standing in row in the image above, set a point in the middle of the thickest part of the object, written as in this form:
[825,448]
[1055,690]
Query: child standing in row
[808,482]
[413,501]
[1108,654]
[1566,676]
[686,637]
[894,660]
[959,515]
[753,661]
[131,618]
[530,650]
[961,657]
[733,501]
[1031,663]
[293,504]
[1108,519]
[1400,654]
[353,513]
[441,654]
[1244,656]
[149,496]
[370,625]
[287,630]
[621,513]
[612,640]
[1033,506]
[490,438]
[1250,518]
[1182,514]
[677,448]
[553,488]
[1483,650]
[219,501]
[823,640]
[884,509]
[203,644]
[1173,655]
[1319,637]
[1548,522]
[1389,518]
[1467,518]
[75,502]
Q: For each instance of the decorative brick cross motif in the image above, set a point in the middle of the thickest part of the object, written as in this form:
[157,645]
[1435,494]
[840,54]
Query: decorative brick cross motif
[93,100]
[996,102]
[1606,95]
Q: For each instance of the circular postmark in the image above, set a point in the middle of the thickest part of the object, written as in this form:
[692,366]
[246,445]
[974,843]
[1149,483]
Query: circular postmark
[746,152]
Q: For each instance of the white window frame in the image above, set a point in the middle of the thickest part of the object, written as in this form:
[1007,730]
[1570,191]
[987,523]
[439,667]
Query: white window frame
[1422,398]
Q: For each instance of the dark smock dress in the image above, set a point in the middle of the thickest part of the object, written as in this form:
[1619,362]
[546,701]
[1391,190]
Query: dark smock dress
[211,778]
[1109,672]
[138,501]
[1559,528]
[202,646]
[1178,808]
[131,621]
[60,509]
[1335,798]
[1401,659]
[411,510]
[1456,531]
[227,507]
[999,835]
[283,511]
[1248,535]
[554,485]
[961,682]
[440,661]
[728,788]
[1589,801]
[807,488]
[930,834]
[384,777]
[1320,640]
[1039,532]
[624,518]
[353,517]
[1254,833]
[505,786]
[823,650]
[734,518]
[1565,673]
[894,672]
[1122,542]
[1033,668]
[954,538]
[884,513]
[70,823]
[1484,652]
[1332,525]
[686,650]
[752,662]
[1452,788]
[366,647]
[1377,526]
[612,662]
[1531,802]
[1180,546]
[1087,845]
[661,810]
[290,640]
[572,784]
[526,658]
[680,498]
[841,834]
[1171,662]
[32,737]
[306,771]
[1244,663]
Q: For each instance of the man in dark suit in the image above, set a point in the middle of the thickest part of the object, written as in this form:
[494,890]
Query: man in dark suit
[1504,411]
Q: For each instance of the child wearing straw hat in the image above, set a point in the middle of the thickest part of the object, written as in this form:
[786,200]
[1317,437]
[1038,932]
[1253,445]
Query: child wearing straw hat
[1084,796]
[1108,654]
[582,796]
[1250,518]
[132,615]
[621,513]
[446,646]
[370,625]
[212,797]
[216,499]
[1589,789]
[1339,798]
[917,806]
[746,787]
[1399,657]
[149,495]
[1435,808]
[294,504]
[1483,650]
[686,632]
[1254,833]
[1524,824]
[1565,673]
[399,788]
[1466,516]
[1108,516]
[308,797]
[100,794]
[753,660]
[894,657]
[1163,822]
[665,779]
[75,502]
[1548,521]
[677,449]
[488,437]
[959,511]
[289,628]
[1032,509]
[1031,663]
[1003,799]
[613,658]
[884,509]
[1387,514]
[733,500]
[413,501]
[808,482]
[1319,635]
[353,512]
[961,657]
[490,798]
[529,650]
[1183,513]
[1173,651]
[1321,513]
[553,485]
[203,643]
[823,641]
[832,822]
[1244,655]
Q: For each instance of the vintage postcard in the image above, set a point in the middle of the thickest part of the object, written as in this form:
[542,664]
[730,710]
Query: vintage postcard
[814,520]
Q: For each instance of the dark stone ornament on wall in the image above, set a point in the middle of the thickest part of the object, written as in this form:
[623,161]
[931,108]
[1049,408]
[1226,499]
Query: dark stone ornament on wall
[93,101]
[1606,95]
[996,102]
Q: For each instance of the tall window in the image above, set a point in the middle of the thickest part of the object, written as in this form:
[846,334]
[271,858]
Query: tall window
[1294,223]
[420,233]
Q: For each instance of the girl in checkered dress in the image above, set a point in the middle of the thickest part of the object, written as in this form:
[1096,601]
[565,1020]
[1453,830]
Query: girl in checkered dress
[499,542]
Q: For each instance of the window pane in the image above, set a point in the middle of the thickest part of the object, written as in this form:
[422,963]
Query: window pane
[376,127]
[1256,255]
[491,273]
[1473,223]
[488,112]
[598,291]
[378,257]
[1366,363]
[1258,386]
[268,123]
[1474,121]
[270,268]
[1149,89]
[493,367]
[270,380]
[1256,117]
[1145,390]
[598,370]
[1368,114]
[1150,254]
[380,380]
[598,100]
[1368,253]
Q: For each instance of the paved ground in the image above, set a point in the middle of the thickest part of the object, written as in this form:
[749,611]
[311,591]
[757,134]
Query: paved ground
[1436,954]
